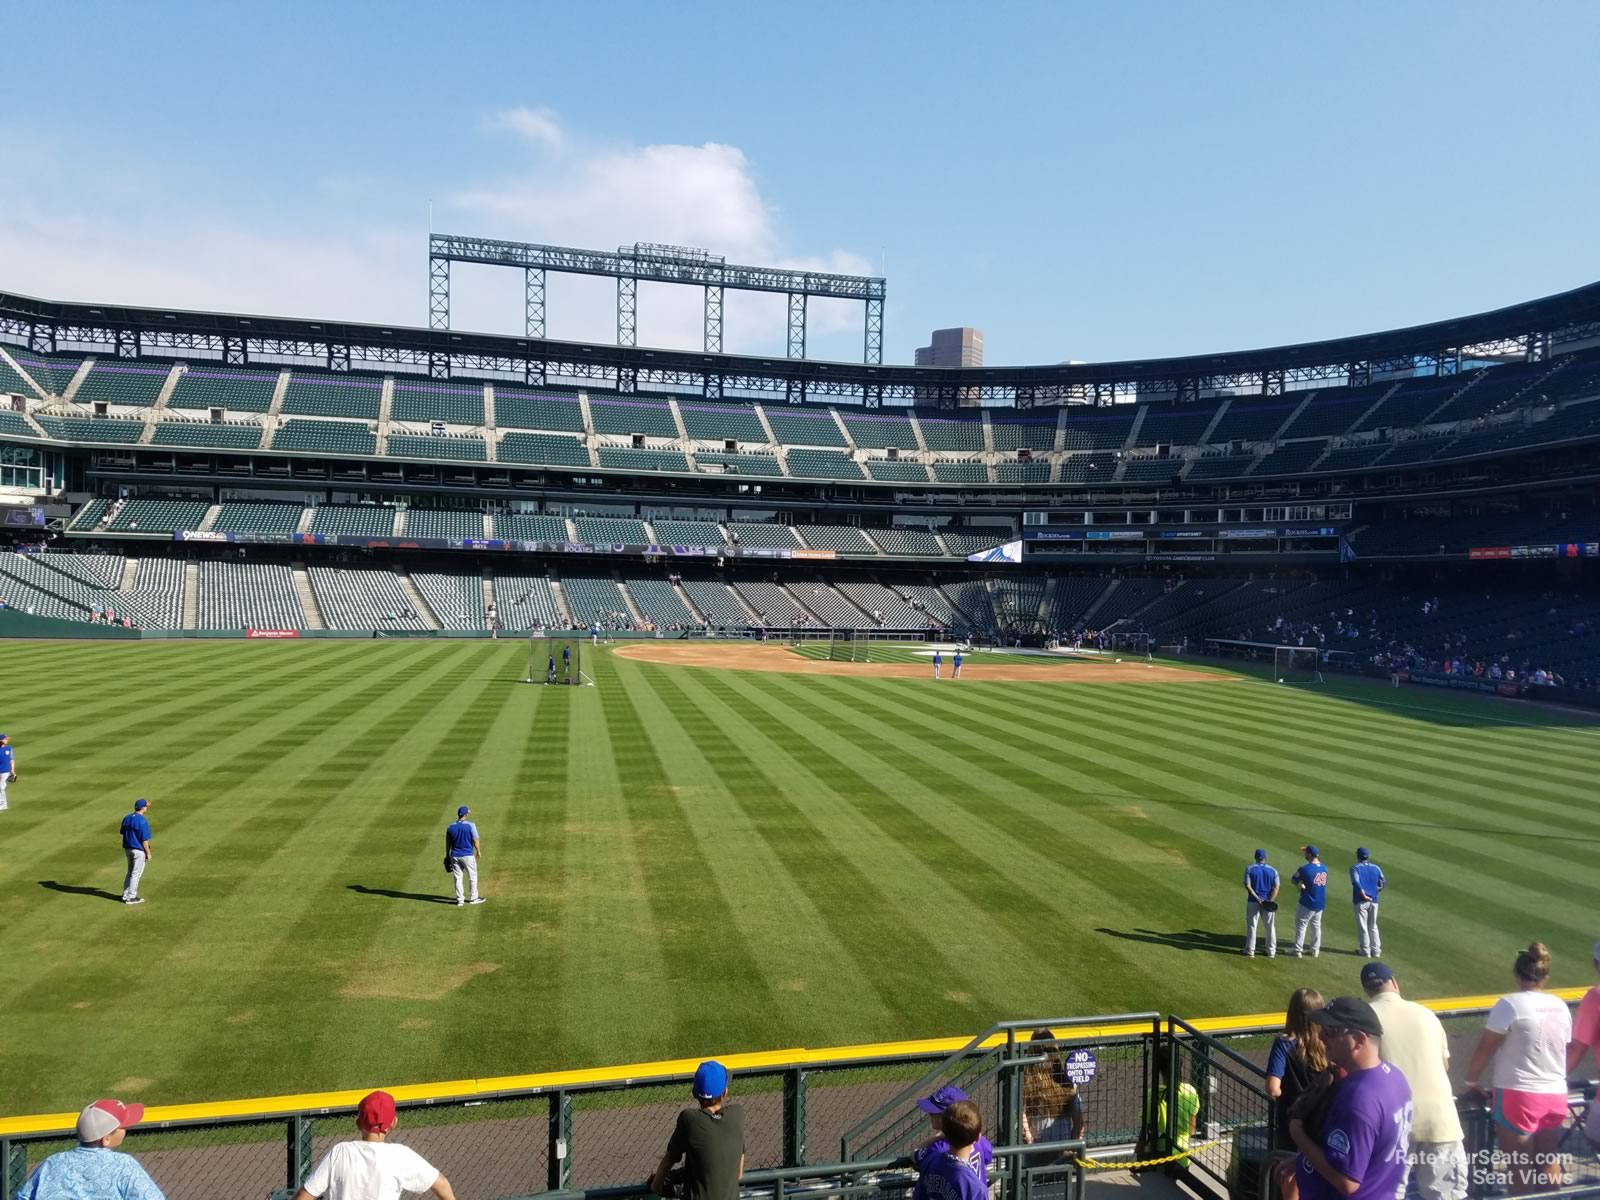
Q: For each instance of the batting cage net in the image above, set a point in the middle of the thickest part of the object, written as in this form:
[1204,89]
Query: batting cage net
[555,660]
[1296,664]
[845,646]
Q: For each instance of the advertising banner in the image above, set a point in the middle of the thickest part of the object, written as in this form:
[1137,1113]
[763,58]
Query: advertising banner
[272,633]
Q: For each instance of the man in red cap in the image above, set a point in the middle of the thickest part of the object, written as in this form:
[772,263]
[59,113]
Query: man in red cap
[373,1169]
[92,1167]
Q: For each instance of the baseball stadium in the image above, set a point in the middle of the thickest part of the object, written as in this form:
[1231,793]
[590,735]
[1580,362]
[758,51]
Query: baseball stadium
[866,745]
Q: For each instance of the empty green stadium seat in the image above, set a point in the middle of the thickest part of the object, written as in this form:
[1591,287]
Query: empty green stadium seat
[92,429]
[325,437]
[842,539]
[945,433]
[626,458]
[822,464]
[764,535]
[687,533]
[356,520]
[608,531]
[437,402]
[132,384]
[1031,435]
[531,527]
[804,426]
[960,472]
[879,432]
[716,422]
[147,515]
[543,449]
[235,435]
[909,472]
[443,523]
[738,464]
[218,387]
[906,540]
[406,445]
[537,410]
[616,415]
[313,395]
[257,516]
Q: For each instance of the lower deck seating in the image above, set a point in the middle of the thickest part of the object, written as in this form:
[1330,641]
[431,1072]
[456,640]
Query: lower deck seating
[712,598]
[143,515]
[973,605]
[594,598]
[656,600]
[525,602]
[443,523]
[243,595]
[354,520]
[763,535]
[531,527]
[774,604]
[891,609]
[836,610]
[842,539]
[688,533]
[254,516]
[363,598]
[456,598]
[907,541]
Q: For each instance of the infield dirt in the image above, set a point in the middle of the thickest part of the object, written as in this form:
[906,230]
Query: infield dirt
[779,659]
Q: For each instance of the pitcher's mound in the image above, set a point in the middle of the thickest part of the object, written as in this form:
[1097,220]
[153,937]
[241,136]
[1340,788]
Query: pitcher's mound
[737,656]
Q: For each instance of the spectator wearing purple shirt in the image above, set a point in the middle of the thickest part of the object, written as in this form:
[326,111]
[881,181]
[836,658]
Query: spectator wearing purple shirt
[936,1106]
[956,1172]
[1358,1151]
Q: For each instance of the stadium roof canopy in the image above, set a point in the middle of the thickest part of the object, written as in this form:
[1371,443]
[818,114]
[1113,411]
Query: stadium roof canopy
[1531,330]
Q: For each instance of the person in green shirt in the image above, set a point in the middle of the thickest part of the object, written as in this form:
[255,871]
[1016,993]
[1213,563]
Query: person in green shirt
[1187,1114]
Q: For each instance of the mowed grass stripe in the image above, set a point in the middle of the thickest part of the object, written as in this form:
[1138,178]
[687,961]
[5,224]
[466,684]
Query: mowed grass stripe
[303,819]
[709,962]
[862,955]
[1468,897]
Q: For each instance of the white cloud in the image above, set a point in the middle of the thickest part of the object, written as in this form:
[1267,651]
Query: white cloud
[73,240]
[537,125]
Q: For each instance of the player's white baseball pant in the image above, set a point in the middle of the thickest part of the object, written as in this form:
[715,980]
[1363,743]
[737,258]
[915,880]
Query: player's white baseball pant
[1367,937]
[1305,919]
[3,804]
[465,864]
[936,670]
[1252,912]
[130,884]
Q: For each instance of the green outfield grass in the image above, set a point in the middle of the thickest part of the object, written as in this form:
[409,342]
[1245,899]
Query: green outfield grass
[683,861]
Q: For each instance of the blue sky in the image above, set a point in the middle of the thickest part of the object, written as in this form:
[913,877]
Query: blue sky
[1092,182]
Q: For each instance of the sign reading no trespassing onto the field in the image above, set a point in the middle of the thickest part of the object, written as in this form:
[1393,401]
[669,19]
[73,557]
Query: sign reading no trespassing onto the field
[1080,1066]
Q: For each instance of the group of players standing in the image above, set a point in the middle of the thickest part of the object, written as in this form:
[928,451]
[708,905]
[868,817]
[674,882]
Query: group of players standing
[1261,885]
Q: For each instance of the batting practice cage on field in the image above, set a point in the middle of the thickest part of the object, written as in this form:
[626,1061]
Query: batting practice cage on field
[1296,664]
[556,660]
[845,646]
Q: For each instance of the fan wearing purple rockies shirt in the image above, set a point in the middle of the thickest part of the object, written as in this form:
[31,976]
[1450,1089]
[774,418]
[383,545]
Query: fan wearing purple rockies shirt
[936,1106]
[1359,1152]
[957,1171]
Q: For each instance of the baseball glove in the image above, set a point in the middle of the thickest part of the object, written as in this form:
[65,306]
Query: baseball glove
[1269,906]
[11,778]
[447,861]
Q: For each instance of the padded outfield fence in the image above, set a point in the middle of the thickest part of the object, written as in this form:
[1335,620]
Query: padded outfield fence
[812,1117]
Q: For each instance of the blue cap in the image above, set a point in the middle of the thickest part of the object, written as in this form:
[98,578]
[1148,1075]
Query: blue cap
[141,803]
[710,1080]
[4,736]
[1374,975]
[462,811]
[1362,854]
[1311,851]
[942,1099]
[1261,856]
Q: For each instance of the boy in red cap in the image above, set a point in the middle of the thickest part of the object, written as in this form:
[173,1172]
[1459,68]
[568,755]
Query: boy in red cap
[373,1169]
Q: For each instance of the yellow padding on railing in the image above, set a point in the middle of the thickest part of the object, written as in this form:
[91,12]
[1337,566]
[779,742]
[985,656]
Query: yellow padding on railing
[466,1089]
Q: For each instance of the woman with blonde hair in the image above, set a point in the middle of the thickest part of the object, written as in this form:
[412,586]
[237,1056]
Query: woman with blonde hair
[1526,1035]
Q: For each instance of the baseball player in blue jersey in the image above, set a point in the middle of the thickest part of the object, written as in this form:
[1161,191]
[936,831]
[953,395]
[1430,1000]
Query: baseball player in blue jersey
[955,672]
[136,847]
[1261,900]
[461,852]
[1366,882]
[938,662]
[1312,880]
[8,767]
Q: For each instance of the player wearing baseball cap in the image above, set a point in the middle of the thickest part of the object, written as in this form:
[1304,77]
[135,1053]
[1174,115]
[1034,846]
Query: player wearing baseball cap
[8,767]
[136,848]
[461,851]
[92,1167]
[1366,882]
[1312,880]
[371,1166]
[1261,900]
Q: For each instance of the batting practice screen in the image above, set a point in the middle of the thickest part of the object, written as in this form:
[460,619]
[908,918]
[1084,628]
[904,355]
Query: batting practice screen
[555,660]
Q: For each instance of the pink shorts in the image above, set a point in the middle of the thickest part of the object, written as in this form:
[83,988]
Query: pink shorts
[1529,1112]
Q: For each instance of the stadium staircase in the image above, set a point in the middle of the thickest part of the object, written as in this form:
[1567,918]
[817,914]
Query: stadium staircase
[489,420]
[385,408]
[588,420]
[415,598]
[78,377]
[916,429]
[1133,430]
[1374,406]
[275,407]
[191,595]
[308,596]
[489,598]
[694,609]
[209,521]
[1216,419]
[1105,594]
[562,610]
[130,575]
[772,439]
[304,524]
[684,439]
[168,386]
[1047,601]
[634,615]
[743,604]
